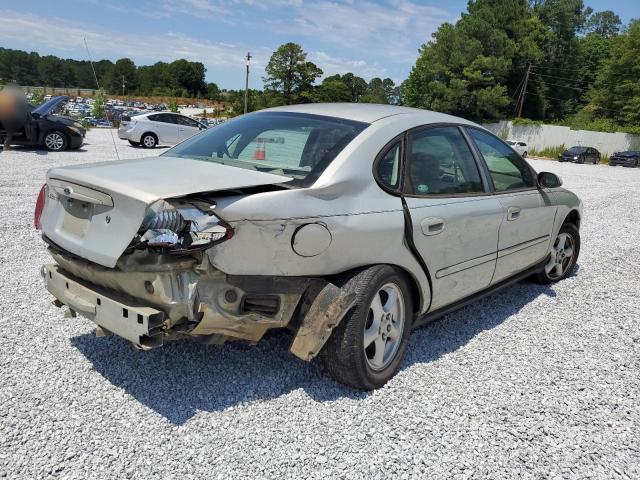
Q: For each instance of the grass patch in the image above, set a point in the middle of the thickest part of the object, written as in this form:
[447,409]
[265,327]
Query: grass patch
[548,152]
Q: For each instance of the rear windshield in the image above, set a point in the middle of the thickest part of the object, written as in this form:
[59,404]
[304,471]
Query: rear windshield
[577,150]
[295,145]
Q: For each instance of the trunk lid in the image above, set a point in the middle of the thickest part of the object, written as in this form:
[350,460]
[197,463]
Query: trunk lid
[95,210]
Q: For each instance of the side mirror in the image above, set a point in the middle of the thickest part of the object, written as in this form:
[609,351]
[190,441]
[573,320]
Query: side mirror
[35,116]
[549,180]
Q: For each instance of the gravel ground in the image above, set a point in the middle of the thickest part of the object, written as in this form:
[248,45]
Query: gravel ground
[534,382]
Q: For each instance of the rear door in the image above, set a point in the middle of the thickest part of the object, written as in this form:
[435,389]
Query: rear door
[528,212]
[454,216]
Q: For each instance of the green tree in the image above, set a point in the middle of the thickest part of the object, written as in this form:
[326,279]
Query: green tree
[606,24]
[616,93]
[213,92]
[124,68]
[98,110]
[379,91]
[172,106]
[290,77]
[333,89]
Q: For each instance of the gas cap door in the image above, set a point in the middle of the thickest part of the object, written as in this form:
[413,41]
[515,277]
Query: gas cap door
[311,239]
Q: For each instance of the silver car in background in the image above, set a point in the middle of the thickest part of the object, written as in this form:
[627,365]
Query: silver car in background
[149,130]
[348,224]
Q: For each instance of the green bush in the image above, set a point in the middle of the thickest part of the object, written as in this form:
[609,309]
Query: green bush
[527,121]
[548,152]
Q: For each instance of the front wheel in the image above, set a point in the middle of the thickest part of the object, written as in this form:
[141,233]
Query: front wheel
[564,255]
[55,141]
[524,155]
[366,349]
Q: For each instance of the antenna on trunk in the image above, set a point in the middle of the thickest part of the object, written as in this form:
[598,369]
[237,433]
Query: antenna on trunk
[115,147]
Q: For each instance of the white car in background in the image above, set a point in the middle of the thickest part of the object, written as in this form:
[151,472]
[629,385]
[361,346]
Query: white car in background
[519,146]
[157,128]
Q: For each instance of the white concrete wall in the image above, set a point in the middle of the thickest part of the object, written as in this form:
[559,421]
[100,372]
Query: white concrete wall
[546,136]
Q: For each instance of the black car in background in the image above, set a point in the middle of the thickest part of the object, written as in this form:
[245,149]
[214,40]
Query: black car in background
[626,159]
[45,129]
[580,155]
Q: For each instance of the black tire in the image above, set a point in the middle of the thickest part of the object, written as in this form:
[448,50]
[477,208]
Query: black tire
[524,155]
[149,140]
[134,144]
[545,277]
[344,355]
[55,141]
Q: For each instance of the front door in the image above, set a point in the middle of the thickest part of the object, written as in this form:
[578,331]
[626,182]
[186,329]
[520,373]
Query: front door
[166,127]
[455,219]
[188,127]
[528,213]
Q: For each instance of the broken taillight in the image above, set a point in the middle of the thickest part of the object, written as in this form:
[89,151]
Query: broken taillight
[37,214]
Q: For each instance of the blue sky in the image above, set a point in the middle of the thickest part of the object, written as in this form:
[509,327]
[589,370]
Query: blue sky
[370,38]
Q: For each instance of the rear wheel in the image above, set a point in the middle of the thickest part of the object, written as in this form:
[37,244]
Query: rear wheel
[366,349]
[134,144]
[55,141]
[149,140]
[564,255]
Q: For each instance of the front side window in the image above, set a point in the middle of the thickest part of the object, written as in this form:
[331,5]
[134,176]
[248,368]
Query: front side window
[295,145]
[508,171]
[186,121]
[441,163]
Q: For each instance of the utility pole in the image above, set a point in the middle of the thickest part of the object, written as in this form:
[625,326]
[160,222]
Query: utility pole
[246,83]
[524,91]
[123,84]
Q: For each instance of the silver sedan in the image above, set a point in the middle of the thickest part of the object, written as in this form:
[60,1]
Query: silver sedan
[346,224]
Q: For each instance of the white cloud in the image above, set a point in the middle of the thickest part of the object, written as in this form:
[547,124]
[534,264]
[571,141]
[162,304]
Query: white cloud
[61,35]
[331,65]
[392,31]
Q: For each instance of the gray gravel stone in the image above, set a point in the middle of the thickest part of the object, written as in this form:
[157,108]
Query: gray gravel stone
[533,382]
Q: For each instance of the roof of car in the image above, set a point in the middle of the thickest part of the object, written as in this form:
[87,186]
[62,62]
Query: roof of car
[366,112]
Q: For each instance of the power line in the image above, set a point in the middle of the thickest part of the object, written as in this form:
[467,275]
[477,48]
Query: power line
[583,90]
[115,147]
[547,97]
[546,67]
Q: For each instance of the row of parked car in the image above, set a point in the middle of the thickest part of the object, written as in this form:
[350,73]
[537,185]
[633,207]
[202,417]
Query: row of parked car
[582,154]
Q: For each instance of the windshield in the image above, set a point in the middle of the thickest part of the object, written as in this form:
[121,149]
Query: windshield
[577,150]
[295,145]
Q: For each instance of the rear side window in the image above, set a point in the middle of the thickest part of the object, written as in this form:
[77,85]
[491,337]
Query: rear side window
[508,171]
[389,167]
[440,162]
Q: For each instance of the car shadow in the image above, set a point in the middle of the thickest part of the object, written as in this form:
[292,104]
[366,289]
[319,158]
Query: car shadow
[185,377]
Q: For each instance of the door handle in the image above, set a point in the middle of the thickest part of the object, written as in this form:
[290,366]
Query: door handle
[513,213]
[432,225]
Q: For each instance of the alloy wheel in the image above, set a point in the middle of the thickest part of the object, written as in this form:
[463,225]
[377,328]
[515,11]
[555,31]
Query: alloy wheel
[54,141]
[384,327]
[561,256]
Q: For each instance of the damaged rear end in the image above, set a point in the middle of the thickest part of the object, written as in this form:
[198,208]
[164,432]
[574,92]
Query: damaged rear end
[137,264]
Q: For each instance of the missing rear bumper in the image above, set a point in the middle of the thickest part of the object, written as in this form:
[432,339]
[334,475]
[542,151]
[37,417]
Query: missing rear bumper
[141,325]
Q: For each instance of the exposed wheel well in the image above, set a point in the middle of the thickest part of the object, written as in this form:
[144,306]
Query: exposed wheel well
[573,218]
[416,291]
[148,133]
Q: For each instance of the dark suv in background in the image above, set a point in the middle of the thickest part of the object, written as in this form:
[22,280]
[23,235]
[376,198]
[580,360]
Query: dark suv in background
[580,155]
[626,159]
